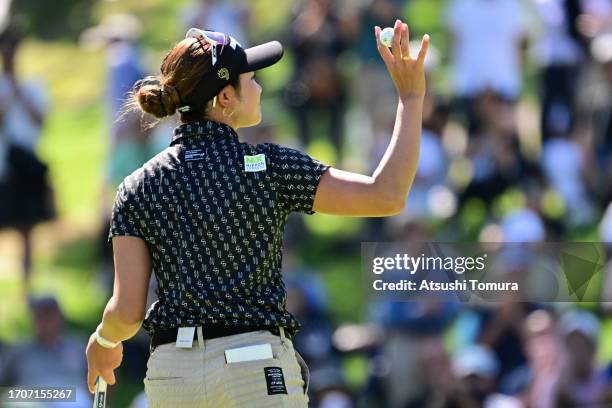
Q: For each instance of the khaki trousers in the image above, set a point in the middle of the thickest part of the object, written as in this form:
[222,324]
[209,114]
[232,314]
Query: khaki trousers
[200,377]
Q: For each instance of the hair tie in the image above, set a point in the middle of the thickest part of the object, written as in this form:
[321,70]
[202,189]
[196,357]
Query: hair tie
[175,97]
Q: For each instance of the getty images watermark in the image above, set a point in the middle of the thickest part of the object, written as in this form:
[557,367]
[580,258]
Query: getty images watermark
[421,263]
[545,272]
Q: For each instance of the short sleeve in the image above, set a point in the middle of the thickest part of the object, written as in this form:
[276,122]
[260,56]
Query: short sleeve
[297,176]
[123,222]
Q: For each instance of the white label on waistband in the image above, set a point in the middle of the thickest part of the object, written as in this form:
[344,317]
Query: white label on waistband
[249,353]
[184,337]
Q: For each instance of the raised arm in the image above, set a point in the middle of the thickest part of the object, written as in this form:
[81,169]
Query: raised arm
[384,192]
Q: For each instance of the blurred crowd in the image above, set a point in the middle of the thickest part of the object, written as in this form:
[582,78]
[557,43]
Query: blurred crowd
[516,147]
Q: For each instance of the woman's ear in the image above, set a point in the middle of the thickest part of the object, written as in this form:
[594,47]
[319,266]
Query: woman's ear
[227,96]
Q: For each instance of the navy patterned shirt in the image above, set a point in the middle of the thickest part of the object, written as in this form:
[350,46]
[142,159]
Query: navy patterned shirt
[212,210]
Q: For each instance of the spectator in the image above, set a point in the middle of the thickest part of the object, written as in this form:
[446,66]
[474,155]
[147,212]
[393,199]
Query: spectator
[224,16]
[467,381]
[317,38]
[559,52]
[564,165]
[494,150]
[477,368]
[52,359]
[306,301]
[131,143]
[314,341]
[601,50]
[486,43]
[538,382]
[411,328]
[583,383]
[119,35]
[27,198]
[501,329]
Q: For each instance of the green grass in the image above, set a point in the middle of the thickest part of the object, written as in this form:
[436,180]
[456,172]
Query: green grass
[14,321]
[75,146]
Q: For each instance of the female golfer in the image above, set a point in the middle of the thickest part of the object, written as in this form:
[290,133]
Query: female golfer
[207,215]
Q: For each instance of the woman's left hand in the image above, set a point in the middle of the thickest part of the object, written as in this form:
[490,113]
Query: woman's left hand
[101,362]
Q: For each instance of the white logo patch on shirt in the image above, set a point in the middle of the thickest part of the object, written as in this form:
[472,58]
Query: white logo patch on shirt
[255,163]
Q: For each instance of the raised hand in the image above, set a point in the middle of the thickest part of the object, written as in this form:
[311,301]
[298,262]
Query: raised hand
[407,73]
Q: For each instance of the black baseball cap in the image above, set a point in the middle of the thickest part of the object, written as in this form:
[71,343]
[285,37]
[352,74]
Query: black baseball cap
[229,60]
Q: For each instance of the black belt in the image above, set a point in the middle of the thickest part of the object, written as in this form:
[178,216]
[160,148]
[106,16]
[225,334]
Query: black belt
[208,332]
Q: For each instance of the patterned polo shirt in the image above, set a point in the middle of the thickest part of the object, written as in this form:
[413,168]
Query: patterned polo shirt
[212,210]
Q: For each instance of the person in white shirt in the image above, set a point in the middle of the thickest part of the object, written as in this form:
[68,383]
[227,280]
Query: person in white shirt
[563,161]
[486,42]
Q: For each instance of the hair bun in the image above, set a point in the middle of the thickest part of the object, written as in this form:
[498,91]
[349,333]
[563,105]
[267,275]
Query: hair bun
[173,97]
[156,99]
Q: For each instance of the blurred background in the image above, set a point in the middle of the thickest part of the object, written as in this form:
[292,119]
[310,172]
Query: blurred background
[516,147]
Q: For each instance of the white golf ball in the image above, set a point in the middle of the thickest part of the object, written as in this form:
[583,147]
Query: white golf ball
[386,36]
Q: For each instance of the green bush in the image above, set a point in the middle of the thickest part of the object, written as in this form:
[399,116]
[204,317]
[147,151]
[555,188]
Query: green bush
[57,19]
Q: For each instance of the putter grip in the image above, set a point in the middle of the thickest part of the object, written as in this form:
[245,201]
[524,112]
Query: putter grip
[100,398]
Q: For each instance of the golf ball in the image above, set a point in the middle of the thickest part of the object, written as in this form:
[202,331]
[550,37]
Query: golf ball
[386,36]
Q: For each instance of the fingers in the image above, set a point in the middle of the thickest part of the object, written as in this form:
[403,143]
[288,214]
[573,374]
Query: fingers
[397,35]
[109,376]
[92,376]
[401,44]
[423,50]
[405,42]
[384,51]
[91,380]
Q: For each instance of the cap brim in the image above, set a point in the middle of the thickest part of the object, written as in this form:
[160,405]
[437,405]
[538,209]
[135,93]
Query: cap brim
[262,56]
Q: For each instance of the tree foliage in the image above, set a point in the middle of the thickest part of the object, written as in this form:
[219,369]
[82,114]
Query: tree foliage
[54,19]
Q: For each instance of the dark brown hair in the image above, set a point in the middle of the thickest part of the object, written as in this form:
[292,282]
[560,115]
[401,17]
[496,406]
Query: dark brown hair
[181,70]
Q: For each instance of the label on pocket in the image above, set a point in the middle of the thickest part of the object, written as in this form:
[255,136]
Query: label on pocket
[184,337]
[249,353]
[275,380]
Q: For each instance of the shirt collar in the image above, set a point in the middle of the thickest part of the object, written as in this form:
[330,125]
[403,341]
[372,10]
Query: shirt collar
[204,128]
